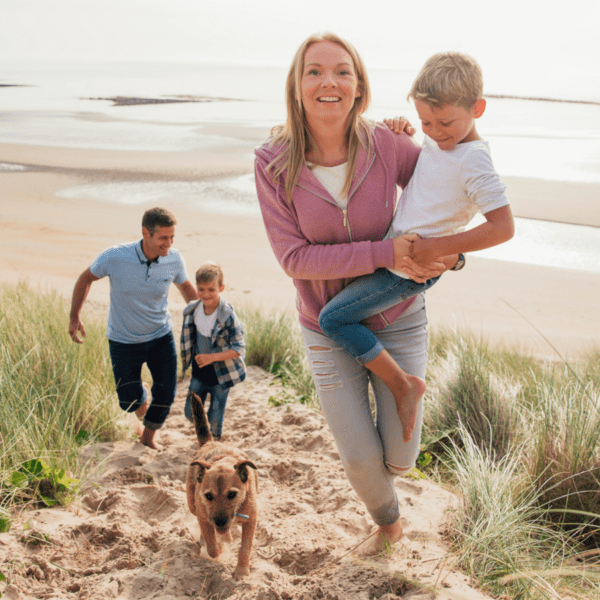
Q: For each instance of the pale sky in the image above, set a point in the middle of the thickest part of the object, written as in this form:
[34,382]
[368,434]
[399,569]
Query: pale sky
[514,38]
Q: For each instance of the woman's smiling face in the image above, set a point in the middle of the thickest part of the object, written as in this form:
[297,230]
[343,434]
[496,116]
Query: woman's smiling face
[329,84]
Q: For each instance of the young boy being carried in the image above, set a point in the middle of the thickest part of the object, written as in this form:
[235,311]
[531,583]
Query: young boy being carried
[212,341]
[454,179]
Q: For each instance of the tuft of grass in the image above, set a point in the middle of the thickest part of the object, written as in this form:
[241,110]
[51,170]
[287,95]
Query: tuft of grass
[53,393]
[500,533]
[274,343]
[520,440]
[564,451]
[591,367]
[465,387]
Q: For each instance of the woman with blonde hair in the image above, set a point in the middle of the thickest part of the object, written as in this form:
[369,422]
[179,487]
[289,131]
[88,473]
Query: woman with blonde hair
[327,186]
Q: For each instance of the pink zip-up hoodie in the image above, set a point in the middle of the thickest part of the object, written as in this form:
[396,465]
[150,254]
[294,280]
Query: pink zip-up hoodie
[322,247]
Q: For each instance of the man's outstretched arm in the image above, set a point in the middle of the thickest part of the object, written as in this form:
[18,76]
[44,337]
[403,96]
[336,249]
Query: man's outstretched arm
[80,292]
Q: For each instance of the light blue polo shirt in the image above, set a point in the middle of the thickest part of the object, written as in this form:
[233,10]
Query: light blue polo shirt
[138,291]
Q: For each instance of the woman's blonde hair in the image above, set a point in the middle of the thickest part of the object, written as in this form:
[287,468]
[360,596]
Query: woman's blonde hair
[296,135]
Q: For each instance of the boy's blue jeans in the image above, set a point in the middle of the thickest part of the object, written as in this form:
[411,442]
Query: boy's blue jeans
[340,318]
[218,401]
[161,357]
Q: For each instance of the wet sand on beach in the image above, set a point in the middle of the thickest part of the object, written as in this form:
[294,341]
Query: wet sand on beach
[49,240]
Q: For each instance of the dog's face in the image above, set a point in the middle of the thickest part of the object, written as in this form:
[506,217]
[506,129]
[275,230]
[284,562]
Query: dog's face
[221,489]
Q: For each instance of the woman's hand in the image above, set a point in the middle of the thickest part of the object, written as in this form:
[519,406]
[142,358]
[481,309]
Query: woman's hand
[400,124]
[417,271]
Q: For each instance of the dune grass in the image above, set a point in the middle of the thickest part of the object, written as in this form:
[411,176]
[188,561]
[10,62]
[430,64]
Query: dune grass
[520,441]
[54,396]
[501,533]
[274,343]
[517,438]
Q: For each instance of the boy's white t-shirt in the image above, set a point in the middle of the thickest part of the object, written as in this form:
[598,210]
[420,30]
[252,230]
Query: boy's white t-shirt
[204,323]
[446,190]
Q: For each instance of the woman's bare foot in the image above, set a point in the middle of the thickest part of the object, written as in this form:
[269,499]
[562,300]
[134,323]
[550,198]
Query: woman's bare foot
[407,402]
[143,409]
[386,536]
[147,438]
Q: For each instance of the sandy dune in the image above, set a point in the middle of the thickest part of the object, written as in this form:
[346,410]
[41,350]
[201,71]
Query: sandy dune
[131,536]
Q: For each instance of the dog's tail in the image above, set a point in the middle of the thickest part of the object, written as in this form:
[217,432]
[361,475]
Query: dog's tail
[203,432]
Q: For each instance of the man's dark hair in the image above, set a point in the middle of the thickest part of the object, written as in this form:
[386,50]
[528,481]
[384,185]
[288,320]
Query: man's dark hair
[158,217]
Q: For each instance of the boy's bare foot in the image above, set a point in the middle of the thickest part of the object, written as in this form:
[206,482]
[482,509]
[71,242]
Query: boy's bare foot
[407,403]
[406,389]
[386,536]
[147,438]
[143,409]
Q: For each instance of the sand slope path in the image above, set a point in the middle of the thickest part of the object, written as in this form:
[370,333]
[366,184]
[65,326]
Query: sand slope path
[130,535]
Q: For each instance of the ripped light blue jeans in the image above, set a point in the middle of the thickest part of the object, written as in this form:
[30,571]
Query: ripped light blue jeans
[372,450]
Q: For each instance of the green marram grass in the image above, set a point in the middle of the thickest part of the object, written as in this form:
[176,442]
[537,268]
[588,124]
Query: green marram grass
[274,343]
[54,394]
[518,438]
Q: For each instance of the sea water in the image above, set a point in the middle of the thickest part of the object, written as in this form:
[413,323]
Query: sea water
[61,104]
[65,103]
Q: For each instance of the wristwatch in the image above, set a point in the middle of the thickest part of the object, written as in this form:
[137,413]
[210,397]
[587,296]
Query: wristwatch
[460,264]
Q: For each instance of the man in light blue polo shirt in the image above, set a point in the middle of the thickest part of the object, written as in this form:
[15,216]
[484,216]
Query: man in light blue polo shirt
[139,323]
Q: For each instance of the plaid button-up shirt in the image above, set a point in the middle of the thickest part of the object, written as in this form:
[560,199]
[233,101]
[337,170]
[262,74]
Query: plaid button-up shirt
[226,334]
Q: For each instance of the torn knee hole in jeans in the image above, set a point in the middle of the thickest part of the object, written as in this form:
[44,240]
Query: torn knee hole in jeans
[396,469]
[326,387]
[320,348]
[323,380]
[324,371]
[320,363]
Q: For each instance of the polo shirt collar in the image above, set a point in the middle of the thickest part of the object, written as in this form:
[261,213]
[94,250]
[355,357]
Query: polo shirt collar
[141,256]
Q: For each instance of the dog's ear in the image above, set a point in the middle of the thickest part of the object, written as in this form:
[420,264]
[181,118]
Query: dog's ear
[203,466]
[242,469]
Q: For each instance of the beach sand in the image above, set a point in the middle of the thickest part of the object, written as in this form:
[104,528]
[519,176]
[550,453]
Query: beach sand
[130,534]
[50,240]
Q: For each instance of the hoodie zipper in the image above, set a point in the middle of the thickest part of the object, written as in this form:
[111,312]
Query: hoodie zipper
[345,221]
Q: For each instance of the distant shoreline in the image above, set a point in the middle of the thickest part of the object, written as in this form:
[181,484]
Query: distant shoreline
[530,198]
[540,99]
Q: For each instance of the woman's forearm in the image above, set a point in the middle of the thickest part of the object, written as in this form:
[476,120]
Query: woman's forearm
[302,259]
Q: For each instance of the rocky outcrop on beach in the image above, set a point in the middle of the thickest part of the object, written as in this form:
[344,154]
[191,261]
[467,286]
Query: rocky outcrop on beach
[132,101]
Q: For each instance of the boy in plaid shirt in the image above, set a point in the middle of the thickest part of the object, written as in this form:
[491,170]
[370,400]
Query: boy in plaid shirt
[212,341]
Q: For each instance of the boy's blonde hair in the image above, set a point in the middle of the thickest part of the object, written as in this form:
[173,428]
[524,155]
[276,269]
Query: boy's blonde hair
[296,134]
[449,78]
[210,272]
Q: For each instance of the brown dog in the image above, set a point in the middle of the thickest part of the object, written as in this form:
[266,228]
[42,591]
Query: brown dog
[220,489]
